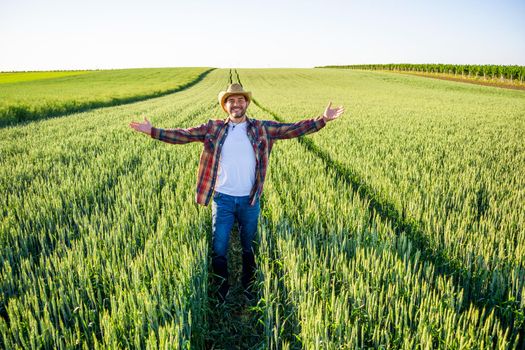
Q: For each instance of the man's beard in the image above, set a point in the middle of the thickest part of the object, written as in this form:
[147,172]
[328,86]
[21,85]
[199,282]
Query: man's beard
[238,113]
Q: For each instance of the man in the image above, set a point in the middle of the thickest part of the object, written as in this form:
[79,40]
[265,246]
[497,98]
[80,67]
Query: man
[232,170]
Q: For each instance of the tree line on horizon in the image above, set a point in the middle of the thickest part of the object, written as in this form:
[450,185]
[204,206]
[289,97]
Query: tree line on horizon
[492,71]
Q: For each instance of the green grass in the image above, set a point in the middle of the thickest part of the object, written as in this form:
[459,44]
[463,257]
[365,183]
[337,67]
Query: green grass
[18,77]
[38,99]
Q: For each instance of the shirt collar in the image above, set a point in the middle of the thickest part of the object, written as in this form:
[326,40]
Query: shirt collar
[249,120]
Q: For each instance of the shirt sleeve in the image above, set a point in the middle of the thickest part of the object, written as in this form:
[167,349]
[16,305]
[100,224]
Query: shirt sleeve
[179,135]
[277,130]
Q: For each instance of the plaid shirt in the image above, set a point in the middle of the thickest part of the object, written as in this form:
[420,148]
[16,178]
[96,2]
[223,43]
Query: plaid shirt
[261,133]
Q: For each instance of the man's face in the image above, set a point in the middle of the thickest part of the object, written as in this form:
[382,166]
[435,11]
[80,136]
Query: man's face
[236,106]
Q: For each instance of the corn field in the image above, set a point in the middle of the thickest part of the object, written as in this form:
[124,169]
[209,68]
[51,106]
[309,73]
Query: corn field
[399,226]
[485,71]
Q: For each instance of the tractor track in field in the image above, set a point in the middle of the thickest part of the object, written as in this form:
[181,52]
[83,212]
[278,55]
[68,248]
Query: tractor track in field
[402,223]
[233,324]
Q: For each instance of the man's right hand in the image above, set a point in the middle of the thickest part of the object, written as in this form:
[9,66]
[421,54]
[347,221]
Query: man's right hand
[144,127]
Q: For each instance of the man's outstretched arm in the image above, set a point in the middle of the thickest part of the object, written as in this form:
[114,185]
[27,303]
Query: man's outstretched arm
[278,130]
[177,135]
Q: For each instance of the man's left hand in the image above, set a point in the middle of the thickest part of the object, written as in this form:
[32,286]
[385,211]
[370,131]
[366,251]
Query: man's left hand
[332,113]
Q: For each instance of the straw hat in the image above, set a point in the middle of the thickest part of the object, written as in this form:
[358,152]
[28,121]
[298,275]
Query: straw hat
[233,89]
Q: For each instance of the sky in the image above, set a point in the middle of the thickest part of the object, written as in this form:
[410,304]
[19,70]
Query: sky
[108,34]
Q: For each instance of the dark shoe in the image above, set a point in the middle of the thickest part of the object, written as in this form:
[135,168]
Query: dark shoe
[248,274]
[220,269]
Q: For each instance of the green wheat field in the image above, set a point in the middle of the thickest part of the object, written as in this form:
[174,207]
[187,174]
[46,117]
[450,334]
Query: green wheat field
[401,225]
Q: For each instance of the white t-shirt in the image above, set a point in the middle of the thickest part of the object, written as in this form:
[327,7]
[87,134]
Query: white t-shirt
[236,175]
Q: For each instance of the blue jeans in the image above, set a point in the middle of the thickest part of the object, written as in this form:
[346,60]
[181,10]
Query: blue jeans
[226,210]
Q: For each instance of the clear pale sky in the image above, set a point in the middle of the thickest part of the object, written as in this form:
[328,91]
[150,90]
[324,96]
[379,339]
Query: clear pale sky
[98,34]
